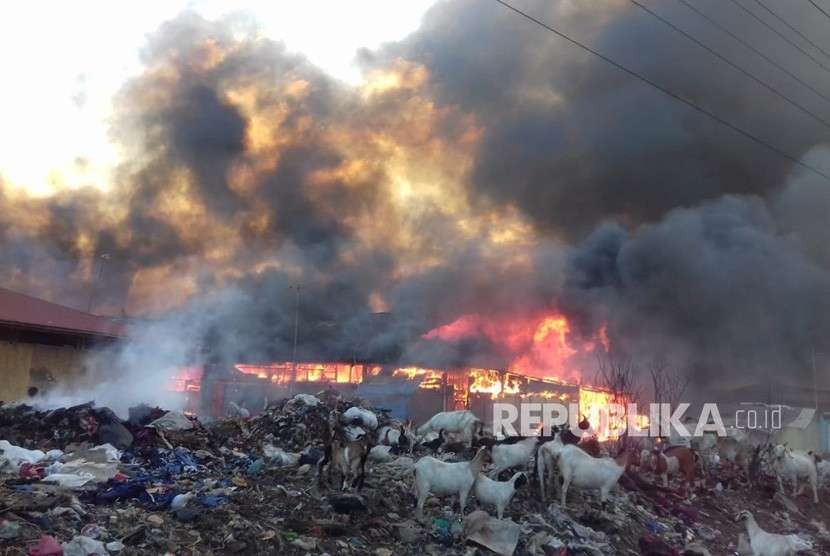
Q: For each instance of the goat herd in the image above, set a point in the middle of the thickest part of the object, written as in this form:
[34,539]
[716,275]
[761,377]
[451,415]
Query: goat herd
[354,439]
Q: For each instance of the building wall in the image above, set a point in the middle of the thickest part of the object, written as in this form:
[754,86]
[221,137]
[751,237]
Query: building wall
[801,439]
[25,364]
[815,437]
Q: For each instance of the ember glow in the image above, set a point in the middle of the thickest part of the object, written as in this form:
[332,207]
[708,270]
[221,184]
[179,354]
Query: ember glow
[541,346]
[430,379]
[187,379]
[283,373]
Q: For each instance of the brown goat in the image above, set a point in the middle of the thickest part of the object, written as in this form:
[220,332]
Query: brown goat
[678,460]
[348,457]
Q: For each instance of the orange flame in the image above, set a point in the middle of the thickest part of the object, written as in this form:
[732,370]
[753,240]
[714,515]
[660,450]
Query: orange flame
[282,373]
[430,379]
[594,402]
[486,381]
[539,345]
[188,379]
[547,395]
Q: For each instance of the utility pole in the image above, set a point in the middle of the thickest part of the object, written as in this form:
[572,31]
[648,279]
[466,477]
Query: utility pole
[821,422]
[297,288]
[815,378]
[103,258]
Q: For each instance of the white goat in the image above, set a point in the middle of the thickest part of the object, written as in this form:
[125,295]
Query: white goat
[442,478]
[397,436]
[770,544]
[498,493]
[794,464]
[585,471]
[547,468]
[463,421]
[823,468]
[506,456]
[546,457]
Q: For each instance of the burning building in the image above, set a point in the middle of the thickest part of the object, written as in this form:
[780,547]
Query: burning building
[541,346]
[407,392]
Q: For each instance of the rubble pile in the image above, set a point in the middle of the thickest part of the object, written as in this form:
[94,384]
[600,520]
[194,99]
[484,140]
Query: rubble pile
[24,425]
[296,423]
[71,483]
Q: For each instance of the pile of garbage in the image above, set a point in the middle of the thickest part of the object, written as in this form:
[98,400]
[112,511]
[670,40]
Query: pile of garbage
[80,481]
[24,425]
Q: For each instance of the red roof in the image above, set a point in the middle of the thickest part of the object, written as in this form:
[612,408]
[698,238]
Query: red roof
[30,312]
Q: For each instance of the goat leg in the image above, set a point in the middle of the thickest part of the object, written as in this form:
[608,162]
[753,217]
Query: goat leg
[361,472]
[321,465]
[565,484]
[462,501]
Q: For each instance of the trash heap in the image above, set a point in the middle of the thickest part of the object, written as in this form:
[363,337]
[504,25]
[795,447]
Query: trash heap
[80,481]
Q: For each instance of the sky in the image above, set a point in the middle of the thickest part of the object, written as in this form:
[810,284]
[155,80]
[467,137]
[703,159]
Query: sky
[63,62]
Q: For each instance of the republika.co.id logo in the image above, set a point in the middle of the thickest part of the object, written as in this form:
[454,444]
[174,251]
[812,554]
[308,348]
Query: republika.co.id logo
[610,420]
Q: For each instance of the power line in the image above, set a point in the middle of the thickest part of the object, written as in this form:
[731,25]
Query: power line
[796,31]
[752,48]
[666,92]
[780,34]
[819,8]
[726,60]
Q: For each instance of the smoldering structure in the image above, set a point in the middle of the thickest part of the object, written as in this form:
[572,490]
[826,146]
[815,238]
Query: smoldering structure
[485,182]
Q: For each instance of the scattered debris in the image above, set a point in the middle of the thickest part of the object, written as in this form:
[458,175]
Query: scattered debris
[248,485]
[499,535]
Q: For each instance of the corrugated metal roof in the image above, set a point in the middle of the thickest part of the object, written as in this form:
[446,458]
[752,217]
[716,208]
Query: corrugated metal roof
[31,312]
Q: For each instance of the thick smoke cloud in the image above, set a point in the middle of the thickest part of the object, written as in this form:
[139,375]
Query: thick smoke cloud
[719,282]
[486,167]
[574,141]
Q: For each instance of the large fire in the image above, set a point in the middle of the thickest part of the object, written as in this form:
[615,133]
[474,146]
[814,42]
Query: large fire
[541,345]
[542,368]
[460,383]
